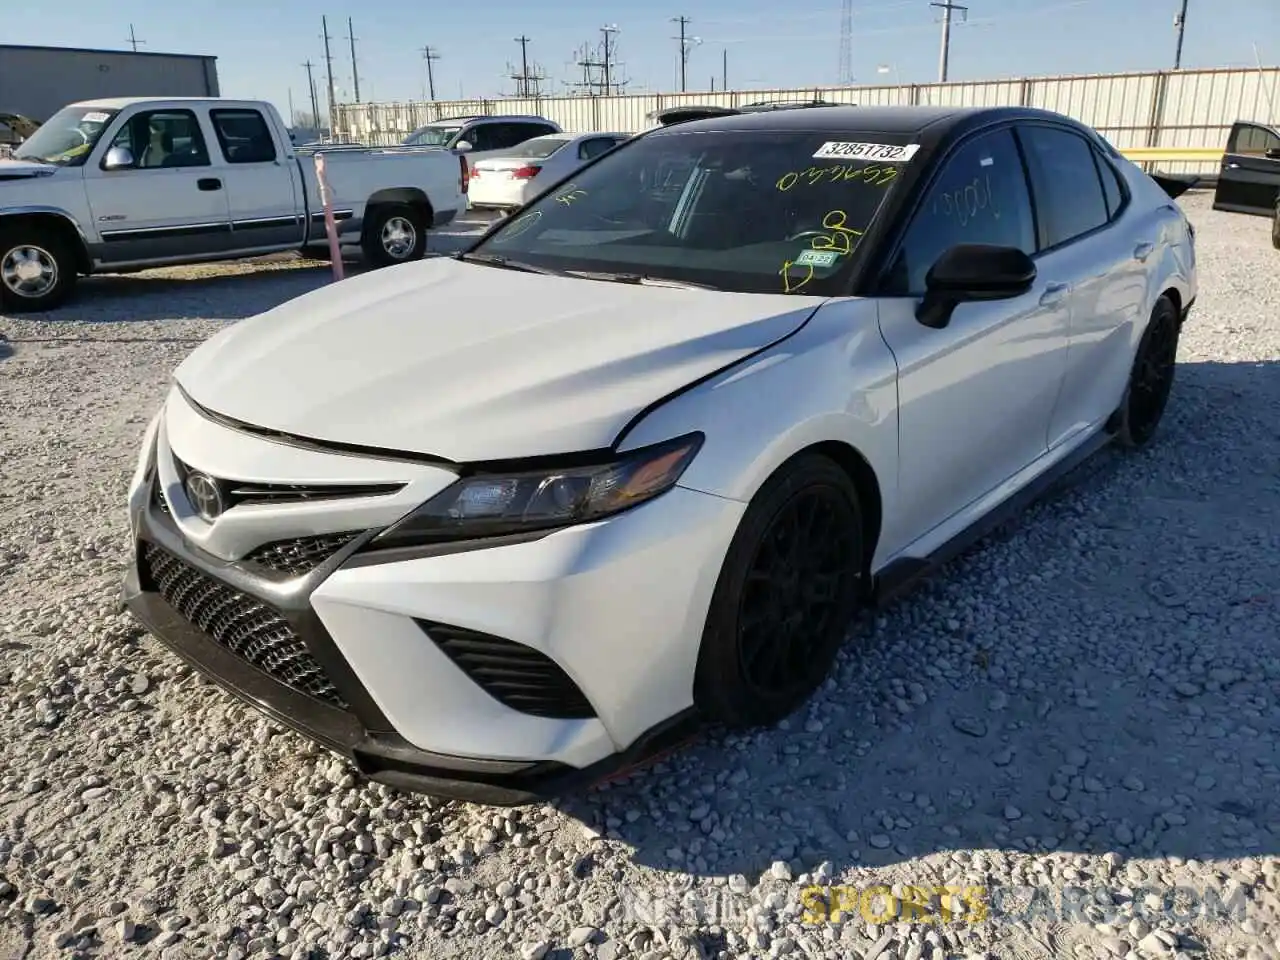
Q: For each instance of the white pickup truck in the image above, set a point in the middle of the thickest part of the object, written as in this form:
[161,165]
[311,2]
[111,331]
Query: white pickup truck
[109,186]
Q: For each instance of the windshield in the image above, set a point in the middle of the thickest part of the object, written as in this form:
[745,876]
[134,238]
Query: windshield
[67,137]
[539,148]
[753,212]
[431,137]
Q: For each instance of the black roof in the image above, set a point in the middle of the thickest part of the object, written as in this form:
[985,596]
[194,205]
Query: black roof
[890,120]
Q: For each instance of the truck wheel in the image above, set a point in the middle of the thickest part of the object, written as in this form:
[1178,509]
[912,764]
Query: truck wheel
[37,268]
[394,233]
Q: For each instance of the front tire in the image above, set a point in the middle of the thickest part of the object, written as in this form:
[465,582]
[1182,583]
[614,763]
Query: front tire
[38,268]
[1151,378]
[394,233]
[788,590]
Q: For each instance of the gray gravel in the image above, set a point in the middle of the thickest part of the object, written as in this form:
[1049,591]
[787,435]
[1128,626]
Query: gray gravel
[1089,699]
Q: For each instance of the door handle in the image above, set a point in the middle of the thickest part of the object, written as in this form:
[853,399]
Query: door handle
[1143,250]
[1233,166]
[209,183]
[1054,293]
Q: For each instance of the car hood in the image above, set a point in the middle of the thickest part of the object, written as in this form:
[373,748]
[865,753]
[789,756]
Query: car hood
[24,169]
[472,363]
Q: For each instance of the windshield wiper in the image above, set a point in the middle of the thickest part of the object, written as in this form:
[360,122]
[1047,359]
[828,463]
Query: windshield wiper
[639,279]
[493,260]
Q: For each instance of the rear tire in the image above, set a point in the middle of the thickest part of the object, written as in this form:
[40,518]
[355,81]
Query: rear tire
[787,593]
[394,233]
[1275,227]
[1151,377]
[38,268]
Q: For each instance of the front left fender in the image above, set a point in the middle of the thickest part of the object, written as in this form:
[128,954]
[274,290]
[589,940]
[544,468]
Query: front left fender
[833,381]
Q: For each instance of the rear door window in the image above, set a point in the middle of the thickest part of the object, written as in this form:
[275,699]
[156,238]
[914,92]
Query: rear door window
[1065,182]
[244,136]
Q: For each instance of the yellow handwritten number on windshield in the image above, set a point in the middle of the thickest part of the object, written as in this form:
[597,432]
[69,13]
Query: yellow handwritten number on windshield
[878,176]
[518,226]
[842,237]
[788,286]
[570,194]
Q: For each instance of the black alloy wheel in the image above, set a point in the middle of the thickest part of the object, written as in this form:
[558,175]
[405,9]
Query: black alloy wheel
[1152,376]
[786,597]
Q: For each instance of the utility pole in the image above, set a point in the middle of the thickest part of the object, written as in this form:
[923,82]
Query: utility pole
[522,82]
[846,43]
[1180,24]
[683,21]
[608,30]
[293,114]
[328,62]
[724,69]
[134,41]
[355,72]
[429,55]
[311,85]
[945,55]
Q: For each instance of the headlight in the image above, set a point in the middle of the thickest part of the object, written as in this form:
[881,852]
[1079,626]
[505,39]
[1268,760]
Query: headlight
[493,504]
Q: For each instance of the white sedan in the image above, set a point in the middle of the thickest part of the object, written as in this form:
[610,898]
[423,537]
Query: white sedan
[499,524]
[514,177]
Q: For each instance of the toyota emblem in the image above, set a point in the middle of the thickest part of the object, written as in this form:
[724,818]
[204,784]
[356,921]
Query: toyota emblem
[205,496]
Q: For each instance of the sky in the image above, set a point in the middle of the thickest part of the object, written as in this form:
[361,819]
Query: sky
[261,47]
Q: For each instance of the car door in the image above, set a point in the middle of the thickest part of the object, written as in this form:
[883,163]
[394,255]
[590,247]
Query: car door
[1087,242]
[1249,180]
[975,397]
[169,203]
[261,183]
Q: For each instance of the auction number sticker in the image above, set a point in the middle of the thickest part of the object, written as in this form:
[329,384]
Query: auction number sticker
[884,152]
[95,117]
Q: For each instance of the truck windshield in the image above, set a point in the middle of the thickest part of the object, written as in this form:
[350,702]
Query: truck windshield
[752,212]
[431,137]
[67,138]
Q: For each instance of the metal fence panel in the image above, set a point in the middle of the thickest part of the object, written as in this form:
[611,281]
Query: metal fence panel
[1188,108]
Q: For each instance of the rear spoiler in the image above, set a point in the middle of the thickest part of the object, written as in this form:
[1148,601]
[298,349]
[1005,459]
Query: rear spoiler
[1174,186]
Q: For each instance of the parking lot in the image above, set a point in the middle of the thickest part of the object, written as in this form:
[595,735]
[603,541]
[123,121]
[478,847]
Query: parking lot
[1089,699]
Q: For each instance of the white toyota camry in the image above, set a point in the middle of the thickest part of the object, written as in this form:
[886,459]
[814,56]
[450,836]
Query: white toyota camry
[502,523]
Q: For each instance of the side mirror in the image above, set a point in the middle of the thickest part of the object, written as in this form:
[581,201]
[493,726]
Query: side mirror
[972,272]
[1273,153]
[119,158]
[462,146]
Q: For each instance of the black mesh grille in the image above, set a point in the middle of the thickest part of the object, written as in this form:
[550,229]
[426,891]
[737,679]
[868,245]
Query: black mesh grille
[517,676]
[249,629]
[293,558]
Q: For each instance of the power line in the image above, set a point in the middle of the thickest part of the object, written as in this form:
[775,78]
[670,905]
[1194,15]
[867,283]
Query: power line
[846,42]
[1180,24]
[429,55]
[945,55]
[355,72]
[133,39]
[328,62]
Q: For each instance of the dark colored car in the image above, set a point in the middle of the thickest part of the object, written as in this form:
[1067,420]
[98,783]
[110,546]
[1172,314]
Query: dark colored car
[1249,181]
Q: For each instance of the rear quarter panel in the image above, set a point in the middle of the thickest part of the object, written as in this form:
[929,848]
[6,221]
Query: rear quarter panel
[357,175]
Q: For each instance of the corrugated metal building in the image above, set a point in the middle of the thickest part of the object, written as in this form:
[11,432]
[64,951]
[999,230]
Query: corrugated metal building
[37,82]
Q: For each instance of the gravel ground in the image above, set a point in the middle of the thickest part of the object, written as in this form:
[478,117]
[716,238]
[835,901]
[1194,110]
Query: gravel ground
[1087,700]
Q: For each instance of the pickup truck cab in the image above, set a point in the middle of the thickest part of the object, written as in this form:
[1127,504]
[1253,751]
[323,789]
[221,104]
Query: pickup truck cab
[109,186]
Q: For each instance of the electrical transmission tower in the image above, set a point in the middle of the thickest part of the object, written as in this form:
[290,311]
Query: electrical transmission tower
[944,56]
[846,42]
[600,66]
[528,81]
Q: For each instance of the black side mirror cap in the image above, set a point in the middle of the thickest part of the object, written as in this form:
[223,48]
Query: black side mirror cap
[973,272]
[1273,153]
